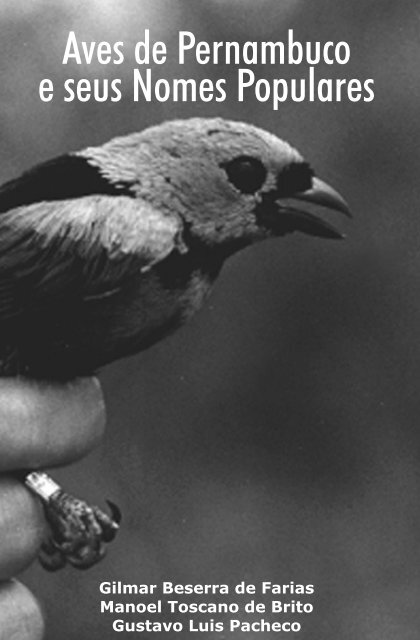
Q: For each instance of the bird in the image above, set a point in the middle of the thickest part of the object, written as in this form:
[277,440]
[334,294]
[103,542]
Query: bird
[105,251]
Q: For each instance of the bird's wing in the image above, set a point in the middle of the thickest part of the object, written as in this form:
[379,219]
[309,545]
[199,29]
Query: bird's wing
[68,242]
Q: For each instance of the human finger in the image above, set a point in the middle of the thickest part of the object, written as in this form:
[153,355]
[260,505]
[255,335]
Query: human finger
[46,424]
[22,527]
[20,613]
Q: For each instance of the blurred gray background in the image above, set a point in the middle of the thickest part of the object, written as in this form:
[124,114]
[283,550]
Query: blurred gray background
[276,436]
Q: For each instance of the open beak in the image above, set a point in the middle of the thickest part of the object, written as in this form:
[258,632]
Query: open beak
[321,193]
[288,218]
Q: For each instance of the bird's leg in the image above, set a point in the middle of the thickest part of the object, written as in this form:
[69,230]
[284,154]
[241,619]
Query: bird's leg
[78,531]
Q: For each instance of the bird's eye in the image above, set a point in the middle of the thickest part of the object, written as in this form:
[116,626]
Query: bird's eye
[246,173]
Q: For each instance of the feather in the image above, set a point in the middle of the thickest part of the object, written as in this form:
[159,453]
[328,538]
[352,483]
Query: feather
[65,177]
[91,248]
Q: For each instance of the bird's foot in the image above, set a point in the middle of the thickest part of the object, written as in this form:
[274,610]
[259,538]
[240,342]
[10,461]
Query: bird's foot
[78,531]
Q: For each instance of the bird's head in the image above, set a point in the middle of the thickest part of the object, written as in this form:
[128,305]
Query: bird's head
[230,182]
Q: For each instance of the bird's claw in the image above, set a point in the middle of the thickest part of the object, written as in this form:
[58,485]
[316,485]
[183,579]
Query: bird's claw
[78,532]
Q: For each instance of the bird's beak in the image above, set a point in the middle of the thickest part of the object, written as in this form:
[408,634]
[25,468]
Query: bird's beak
[321,193]
[288,218]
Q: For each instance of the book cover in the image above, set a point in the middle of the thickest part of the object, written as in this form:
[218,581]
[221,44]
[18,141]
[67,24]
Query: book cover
[264,456]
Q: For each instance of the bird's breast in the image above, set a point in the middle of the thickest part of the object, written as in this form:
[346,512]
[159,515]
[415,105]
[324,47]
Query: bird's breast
[151,307]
